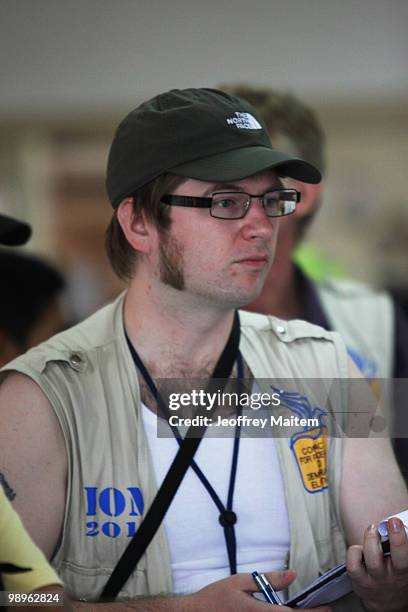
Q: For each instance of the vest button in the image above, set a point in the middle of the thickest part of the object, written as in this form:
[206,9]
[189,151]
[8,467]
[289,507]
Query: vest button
[76,361]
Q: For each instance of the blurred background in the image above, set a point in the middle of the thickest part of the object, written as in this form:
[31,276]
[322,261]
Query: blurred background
[69,71]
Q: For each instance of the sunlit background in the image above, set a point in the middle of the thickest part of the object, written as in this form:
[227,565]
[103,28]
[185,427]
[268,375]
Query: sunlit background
[70,70]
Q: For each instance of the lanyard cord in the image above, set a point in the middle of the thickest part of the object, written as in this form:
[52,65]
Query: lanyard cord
[139,543]
[227,516]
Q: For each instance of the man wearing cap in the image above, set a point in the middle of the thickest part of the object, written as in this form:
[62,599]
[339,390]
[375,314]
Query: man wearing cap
[23,567]
[196,190]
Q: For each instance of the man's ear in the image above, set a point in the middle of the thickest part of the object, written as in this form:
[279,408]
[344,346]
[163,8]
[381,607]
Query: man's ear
[137,230]
[310,195]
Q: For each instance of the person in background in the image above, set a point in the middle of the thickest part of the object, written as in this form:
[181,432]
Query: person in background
[372,324]
[30,311]
[13,232]
[23,567]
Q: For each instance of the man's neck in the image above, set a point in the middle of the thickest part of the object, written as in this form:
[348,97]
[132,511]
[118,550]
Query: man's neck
[173,338]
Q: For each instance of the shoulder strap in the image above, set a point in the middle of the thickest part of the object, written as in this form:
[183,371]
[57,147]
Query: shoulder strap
[154,516]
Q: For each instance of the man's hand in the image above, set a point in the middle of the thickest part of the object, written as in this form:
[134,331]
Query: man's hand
[235,593]
[381,582]
[228,595]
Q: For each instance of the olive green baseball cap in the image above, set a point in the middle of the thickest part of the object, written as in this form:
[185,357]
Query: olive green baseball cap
[203,134]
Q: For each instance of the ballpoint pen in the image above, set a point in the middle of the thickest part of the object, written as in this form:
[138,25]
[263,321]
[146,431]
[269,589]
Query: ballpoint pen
[266,588]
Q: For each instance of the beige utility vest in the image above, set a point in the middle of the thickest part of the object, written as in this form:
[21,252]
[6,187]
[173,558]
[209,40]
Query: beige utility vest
[89,377]
[364,317]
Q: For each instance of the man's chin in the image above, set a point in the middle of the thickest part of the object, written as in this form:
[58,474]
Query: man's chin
[247,298]
[255,291]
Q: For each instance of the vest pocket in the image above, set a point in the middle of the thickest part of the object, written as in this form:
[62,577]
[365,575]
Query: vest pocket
[87,583]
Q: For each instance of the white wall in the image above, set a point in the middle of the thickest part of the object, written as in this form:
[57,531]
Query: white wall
[58,55]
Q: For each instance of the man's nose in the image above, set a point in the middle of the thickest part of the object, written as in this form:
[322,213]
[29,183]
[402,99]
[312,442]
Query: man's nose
[256,223]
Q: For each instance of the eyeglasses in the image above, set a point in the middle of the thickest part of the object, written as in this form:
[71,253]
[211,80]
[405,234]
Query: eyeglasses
[235,204]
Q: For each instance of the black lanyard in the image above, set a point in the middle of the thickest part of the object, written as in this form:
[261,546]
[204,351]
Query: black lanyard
[227,517]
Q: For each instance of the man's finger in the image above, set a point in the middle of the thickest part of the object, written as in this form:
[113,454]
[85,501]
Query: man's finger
[398,544]
[354,563]
[373,553]
[279,580]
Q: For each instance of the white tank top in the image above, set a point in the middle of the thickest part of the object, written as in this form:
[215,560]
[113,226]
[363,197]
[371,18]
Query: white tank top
[196,540]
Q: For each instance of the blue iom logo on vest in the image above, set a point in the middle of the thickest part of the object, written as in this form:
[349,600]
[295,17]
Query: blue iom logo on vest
[120,508]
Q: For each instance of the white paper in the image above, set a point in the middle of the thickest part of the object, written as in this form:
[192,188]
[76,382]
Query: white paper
[336,588]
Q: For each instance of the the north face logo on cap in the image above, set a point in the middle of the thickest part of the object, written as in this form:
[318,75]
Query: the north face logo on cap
[244,121]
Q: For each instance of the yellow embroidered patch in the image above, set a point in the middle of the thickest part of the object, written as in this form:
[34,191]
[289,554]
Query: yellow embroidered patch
[310,450]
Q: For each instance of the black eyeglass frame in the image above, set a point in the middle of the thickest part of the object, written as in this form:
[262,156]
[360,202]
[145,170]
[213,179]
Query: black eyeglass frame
[207,202]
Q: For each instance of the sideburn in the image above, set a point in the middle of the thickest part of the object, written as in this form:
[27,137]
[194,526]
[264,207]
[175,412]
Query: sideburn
[171,262]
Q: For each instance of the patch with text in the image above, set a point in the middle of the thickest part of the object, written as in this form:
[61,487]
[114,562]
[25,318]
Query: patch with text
[122,511]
